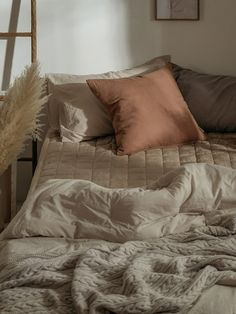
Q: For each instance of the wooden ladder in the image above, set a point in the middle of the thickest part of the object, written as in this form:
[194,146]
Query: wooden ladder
[33,35]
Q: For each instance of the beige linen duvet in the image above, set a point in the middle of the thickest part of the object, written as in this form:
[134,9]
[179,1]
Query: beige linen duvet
[162,249]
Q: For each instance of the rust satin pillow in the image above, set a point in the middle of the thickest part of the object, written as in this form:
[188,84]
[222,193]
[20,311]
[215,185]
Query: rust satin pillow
[146,111]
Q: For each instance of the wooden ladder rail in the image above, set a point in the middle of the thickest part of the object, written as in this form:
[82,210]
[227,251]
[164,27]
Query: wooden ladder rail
[33,35]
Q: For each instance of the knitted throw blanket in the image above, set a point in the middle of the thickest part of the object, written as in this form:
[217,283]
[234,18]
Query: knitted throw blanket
[166,275]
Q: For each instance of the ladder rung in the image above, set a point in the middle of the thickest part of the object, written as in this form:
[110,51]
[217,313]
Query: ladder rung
[18,34]
[25,159]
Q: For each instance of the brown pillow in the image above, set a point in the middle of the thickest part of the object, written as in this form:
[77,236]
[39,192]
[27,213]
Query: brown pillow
[210,98]
[146,111]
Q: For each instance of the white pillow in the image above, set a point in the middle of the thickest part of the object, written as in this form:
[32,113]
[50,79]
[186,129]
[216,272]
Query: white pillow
[81,115]
[76,112]
[151,65]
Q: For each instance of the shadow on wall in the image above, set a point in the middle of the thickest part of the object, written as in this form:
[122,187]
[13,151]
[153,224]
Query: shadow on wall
[143,41]
[141,32]
[205,45]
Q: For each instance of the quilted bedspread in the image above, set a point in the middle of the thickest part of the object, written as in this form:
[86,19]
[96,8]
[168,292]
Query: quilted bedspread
[96,160]
[157,268]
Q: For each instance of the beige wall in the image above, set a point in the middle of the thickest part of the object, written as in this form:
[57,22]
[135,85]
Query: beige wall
[208,45]
[83,36]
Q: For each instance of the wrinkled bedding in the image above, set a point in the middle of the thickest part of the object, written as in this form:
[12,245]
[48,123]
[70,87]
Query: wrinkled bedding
[170,247]
[190,196]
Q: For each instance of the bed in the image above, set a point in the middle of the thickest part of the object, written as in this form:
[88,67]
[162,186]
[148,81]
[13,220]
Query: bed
[150,232]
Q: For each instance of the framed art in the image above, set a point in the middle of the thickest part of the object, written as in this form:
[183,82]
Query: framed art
[187,10]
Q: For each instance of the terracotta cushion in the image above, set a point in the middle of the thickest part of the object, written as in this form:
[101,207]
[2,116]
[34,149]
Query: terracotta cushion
[146,111]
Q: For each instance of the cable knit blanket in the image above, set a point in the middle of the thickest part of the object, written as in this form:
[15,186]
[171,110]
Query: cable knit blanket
[163,276]
[166,268]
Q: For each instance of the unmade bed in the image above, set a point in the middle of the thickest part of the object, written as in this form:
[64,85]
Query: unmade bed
[126,229]
[45,274]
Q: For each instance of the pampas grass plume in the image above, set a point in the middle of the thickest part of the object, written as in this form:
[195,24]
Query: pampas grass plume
[19,114]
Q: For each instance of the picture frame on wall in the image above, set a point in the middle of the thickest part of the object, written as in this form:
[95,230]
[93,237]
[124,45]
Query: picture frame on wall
[185,10]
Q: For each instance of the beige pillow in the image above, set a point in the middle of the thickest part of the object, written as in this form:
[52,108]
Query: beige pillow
[83,97]
[149,66]
[147,111]
[81,114]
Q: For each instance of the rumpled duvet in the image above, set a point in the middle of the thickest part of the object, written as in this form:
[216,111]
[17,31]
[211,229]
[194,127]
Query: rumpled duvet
[160,248]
